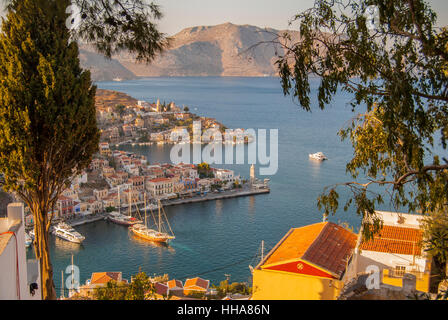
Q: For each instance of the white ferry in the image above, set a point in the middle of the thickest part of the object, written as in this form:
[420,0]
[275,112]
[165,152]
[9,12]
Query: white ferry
[66,232]
[318,156]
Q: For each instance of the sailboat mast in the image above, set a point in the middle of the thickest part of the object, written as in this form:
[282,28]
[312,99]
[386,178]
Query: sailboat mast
[119,203]
[262,250]
[62,285]
[145,207]
[159,203]
[130,199]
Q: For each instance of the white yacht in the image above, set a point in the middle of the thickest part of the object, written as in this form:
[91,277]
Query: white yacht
[66,232]
[318,156]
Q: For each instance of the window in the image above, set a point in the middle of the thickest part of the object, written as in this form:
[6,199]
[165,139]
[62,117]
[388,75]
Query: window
[400,271]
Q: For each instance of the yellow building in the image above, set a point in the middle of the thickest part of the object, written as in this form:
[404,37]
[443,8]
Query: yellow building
[309,263]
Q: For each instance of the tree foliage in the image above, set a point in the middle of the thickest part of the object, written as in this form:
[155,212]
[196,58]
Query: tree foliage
[48,129]
[396,74]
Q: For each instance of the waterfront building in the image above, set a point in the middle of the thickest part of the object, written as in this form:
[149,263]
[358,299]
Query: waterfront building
[396,250]
[309,263]
[19,277]
[160,186]
[138,183]
[65,206]
[224,175]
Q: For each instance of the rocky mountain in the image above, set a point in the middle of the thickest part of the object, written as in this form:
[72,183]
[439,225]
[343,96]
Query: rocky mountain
[101,68]
[222,50]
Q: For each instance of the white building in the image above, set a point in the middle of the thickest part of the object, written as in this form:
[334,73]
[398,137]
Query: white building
[224,175]
[19,277]
[397,249]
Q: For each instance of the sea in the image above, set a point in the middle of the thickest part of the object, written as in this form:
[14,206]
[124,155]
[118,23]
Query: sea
[223,237]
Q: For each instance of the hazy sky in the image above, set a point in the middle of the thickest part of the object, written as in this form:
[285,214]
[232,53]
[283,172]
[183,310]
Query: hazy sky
[180,14]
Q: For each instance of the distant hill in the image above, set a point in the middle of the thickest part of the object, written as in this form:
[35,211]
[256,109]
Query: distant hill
[103,69]
[221,50]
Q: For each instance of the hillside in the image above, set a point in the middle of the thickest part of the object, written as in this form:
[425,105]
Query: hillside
[222,50]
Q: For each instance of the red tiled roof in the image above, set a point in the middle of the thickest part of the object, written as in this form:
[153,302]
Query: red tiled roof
[326,245]
[397,240]
[161,288]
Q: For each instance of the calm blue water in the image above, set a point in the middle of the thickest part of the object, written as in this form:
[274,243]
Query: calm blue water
[222,237]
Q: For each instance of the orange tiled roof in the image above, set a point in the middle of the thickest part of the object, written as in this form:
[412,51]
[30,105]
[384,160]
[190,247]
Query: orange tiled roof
[175,283]
[104,277]
[324,244]
[397,240]
[198,282]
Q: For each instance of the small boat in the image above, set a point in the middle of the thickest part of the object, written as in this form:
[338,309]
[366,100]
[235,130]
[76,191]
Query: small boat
[159,235]
[66,232]
[118,79]
[122,219]
[318,156]
[119,218]
[28,240]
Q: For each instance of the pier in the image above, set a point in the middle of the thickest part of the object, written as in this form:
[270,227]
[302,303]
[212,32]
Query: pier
[217,196]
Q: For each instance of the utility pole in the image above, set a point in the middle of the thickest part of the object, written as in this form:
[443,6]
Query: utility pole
[227,283]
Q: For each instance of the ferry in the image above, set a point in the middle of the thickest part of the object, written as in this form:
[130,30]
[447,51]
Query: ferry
[66,232]
[159,235]
[318,156]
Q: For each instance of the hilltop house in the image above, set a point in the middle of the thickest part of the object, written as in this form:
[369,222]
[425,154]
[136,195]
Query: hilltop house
[396,250]
[309,263]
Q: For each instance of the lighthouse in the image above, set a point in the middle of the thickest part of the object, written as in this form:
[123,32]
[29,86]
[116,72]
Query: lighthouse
[252,174]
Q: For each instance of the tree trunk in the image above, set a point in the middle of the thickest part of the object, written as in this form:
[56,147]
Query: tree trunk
[41,246]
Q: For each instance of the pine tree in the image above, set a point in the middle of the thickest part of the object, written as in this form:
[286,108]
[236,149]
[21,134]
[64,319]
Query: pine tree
[48,129]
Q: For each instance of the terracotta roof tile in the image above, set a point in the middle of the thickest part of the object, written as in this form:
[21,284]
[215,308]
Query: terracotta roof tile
[325,245]
[197,282]
[397,240]
[104,277]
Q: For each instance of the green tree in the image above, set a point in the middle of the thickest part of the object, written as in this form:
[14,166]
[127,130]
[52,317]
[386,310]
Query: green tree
[47,114]
[435,227]
[112,291]
[186,109]
[140,287]
[48,128]
[395,72]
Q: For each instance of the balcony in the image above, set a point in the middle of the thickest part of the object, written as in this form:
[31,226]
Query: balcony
[395,278]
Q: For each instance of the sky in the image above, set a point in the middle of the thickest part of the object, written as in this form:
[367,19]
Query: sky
[181,14]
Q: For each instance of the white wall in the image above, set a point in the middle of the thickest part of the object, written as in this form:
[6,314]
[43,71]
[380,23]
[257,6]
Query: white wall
[15,251]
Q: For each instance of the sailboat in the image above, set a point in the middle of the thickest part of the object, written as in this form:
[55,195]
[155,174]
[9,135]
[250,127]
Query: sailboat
[119,218]
[160,235]
[259,254]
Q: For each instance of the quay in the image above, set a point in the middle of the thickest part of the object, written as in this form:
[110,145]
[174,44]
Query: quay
[217,196]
